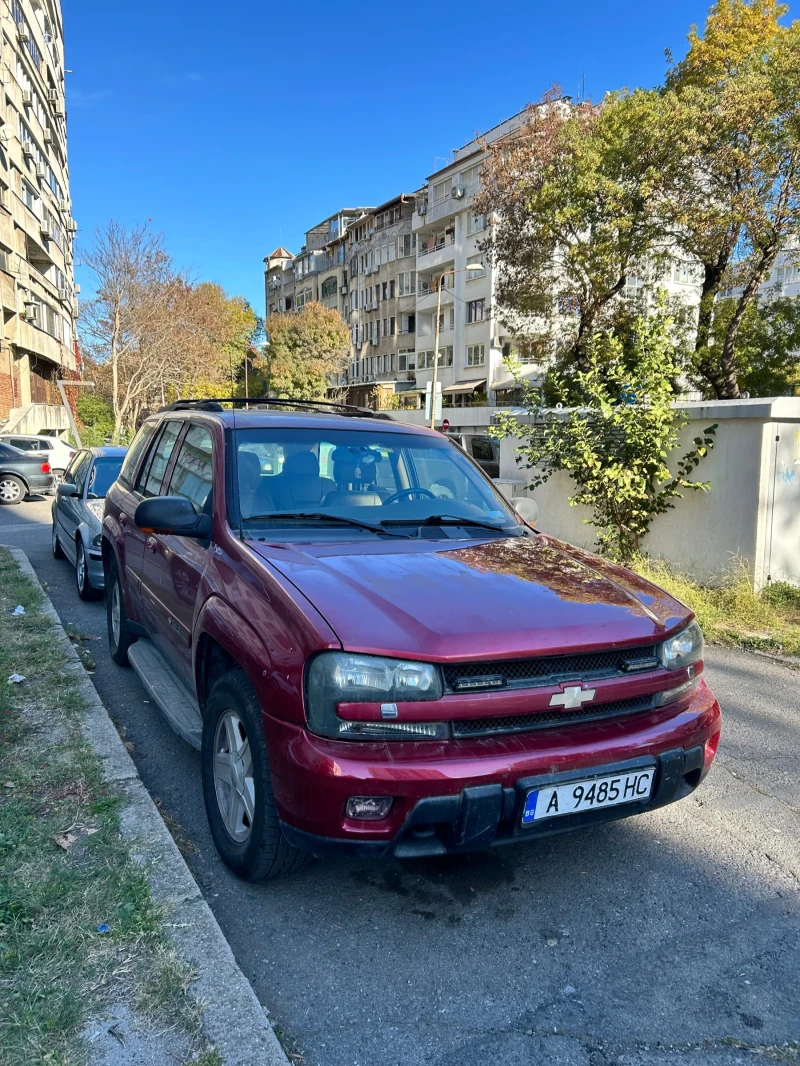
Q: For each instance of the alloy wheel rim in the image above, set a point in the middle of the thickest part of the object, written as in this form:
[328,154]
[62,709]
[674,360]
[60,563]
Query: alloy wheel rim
[116,613]
[81,568]
[233,776]
[9,491]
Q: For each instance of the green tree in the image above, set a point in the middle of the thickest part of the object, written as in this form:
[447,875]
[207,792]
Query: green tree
[731,113]
[767,346]
[617,447]
[575,200]
[307,350]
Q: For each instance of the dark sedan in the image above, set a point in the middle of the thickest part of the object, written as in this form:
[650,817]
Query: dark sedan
[21,475]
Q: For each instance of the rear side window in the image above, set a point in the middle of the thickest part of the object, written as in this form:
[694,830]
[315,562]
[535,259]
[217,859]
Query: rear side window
[482,449]
[191,475]
[149,480]
[24,445]
[140,442]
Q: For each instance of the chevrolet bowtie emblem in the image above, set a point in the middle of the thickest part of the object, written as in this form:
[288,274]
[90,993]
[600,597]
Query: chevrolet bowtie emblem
[572,697]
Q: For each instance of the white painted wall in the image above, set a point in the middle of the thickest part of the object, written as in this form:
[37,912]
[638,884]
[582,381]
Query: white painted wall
[752,510]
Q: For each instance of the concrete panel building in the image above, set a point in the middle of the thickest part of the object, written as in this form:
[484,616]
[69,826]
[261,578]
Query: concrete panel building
[37,344]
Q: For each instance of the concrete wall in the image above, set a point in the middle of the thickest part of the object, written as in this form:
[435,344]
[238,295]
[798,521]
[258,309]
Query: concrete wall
[752,510]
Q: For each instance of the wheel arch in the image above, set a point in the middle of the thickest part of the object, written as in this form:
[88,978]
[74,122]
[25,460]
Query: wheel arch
[18,476]
[224,641]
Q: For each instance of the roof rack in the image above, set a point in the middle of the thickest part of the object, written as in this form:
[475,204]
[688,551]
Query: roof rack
[215,403]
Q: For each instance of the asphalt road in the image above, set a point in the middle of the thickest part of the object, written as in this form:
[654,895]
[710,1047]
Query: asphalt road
[669,939]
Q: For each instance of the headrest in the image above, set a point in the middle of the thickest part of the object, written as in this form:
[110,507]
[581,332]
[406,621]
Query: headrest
[249,466]
[301,464]
[363,457]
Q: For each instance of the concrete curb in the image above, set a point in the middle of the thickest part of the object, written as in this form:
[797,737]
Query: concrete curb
[233,1018]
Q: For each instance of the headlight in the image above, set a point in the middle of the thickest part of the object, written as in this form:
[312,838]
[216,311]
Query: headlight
[683,649]
[97,541]
[339,677]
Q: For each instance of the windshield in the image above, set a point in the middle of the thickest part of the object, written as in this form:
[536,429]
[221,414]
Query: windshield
[104,473]
[374,481]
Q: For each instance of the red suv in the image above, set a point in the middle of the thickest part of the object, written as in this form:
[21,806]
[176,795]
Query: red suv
[373,652]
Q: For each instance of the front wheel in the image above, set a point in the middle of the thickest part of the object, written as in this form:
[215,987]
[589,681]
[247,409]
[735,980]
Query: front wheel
[86,590]
[237,785]
[119,634]
[12,489]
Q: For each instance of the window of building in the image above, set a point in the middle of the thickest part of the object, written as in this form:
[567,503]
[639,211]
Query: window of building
[391,326]
[440,191]
[476,310]
[408,323]
[475,223]
[328,288]
[788,275]
[406,244]
[406,282]
[391,251]
[477,260]
[29,197]
[406,359]
[472,175]
[475,355]
[525,351]
[425,359]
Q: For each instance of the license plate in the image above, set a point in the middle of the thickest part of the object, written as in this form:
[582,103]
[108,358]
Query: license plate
[608,791]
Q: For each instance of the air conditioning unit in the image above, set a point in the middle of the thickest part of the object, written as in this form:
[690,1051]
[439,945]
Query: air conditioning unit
[24,35]
[27,149]
[45,228]
[371,232]
[41,170]
[64,205]
[52,96]
[458,192]
[77,290]
[30,312]
[72,226]
[27,97]
[374,342]
[423,208]
[342,290]
[63,295]
[48,136]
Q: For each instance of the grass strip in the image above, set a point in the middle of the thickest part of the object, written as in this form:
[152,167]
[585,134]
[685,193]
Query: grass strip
[78,928]
[730,612]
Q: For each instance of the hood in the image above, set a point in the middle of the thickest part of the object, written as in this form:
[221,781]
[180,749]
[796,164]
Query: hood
[492,599]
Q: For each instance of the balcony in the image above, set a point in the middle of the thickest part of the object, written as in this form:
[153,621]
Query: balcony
[435,244]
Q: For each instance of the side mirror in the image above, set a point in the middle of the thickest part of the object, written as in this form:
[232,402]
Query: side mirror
[67,489]
[526,508]
[172,516]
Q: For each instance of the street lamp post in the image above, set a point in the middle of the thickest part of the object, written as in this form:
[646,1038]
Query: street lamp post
[471,267]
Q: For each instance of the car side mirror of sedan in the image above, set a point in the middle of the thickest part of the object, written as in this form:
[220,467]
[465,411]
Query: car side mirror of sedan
[526,508]
[172,516]
[67,489]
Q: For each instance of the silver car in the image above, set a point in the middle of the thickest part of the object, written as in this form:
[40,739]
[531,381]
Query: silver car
[78,515]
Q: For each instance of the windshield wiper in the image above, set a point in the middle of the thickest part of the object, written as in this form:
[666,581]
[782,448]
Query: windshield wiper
[319,516]
[445,520]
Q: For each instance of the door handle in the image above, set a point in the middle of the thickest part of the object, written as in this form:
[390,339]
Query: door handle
[152,545]
[123,519]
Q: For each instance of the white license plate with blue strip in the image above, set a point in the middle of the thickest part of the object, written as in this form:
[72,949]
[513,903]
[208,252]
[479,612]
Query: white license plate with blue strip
[636,786]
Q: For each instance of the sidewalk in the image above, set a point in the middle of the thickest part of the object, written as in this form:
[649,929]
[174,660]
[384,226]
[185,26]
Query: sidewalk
[108,951]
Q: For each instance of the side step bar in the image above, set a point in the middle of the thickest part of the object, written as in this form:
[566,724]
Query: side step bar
[176,703]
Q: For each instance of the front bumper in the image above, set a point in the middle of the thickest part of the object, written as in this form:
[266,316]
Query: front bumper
[456,796]
[485,816]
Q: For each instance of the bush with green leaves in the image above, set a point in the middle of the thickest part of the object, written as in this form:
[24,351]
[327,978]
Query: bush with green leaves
[97,420]
[617,446]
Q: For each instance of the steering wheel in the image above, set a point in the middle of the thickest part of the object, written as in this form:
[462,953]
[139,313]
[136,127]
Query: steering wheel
[404,493]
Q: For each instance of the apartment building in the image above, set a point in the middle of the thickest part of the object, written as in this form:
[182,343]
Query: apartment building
[317,273]
[37,345]
[381,255]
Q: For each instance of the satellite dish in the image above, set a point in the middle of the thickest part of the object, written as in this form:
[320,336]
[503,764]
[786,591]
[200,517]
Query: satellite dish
[6,132]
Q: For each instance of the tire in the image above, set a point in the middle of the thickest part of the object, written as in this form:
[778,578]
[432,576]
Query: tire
[58,551]
[119,634]
[86,591]
[12,490]
[250,842]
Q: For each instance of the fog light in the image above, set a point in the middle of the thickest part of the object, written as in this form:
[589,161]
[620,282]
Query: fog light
[368,808]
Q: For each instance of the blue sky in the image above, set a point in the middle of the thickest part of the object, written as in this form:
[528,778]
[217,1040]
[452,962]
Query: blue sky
[237,127]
